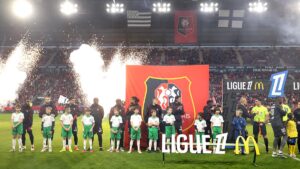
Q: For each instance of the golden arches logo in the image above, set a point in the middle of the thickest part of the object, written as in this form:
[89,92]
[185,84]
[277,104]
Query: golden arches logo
[246,145]
[259,86]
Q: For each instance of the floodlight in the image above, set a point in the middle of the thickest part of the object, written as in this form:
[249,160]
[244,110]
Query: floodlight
[22,8]
[68,8]
[209,7]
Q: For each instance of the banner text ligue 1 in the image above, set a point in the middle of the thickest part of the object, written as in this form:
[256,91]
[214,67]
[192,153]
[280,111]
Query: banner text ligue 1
[275,88]
[181,145]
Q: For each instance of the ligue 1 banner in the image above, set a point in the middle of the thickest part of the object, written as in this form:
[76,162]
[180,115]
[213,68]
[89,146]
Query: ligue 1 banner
[185,27]
[194,144]
[191,83]
[276,86]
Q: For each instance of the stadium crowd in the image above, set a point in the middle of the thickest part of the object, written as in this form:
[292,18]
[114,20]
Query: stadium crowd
[52,75]
[54,69]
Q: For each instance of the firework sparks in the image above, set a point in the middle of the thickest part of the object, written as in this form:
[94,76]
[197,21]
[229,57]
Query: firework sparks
[96,80]
[14,71]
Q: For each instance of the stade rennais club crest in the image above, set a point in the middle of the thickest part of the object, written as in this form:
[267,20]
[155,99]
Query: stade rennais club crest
[165,90]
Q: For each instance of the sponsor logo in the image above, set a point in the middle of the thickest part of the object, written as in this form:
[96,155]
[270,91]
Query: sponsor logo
[278,84]
[259,86]
[245,143]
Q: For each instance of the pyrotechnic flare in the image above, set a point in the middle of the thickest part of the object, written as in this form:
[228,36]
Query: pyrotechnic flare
[95,80]
[14,71]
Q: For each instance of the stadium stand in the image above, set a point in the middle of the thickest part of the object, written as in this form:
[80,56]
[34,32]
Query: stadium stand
[53,76]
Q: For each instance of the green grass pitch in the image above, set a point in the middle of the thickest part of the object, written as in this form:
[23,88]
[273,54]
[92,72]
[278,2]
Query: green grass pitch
[101,160]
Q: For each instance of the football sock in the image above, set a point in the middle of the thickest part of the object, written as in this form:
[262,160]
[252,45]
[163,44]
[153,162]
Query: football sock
[118,144]
[266,144]
[14,143]
[275,144]
[112,143]
[138,145]
[64,143]
[150,145]
[20,143]
[283,142]
[293,147]
[155,145]
[168,142]
[84,144]
[49,142]
[44,142]
[131,144]
[70,143]
[91,144]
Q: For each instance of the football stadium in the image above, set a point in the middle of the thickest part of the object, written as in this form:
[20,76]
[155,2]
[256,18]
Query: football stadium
[88,84]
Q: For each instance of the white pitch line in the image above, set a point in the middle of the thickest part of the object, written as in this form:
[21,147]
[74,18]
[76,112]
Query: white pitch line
[297,159]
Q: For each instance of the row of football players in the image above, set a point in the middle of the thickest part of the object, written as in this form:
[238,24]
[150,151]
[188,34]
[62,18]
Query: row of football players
[116,132]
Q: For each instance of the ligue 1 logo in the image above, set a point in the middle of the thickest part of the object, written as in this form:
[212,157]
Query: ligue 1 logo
[278,83]
[195,147]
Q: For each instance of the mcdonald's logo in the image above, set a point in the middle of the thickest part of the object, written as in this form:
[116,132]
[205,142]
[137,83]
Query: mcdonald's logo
[246,145]
[259,86]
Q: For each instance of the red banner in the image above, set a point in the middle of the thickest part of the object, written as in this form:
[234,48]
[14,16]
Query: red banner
[165,83]
[185,27]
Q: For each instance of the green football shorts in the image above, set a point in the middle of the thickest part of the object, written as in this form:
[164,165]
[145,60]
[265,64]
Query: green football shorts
[47,132]
[66,134]
[115,136]
[135,135]
[87,133]
[18,130]
[170,130]
[153,133]
[216,130]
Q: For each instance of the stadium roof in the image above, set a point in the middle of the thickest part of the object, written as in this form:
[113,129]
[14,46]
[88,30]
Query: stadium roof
[277,26]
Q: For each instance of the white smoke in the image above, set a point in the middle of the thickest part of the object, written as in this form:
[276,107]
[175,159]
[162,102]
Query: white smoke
[96,80]
[287,23]
[14,71]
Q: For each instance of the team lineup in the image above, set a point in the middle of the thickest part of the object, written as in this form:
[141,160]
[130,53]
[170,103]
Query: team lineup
[169,122]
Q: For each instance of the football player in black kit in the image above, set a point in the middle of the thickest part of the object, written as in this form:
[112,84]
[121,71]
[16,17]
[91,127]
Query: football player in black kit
[27,124]
[75,113]
[178,111]
[154,106]
[279,130]
[297,118]
[207,113]
[97,112]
